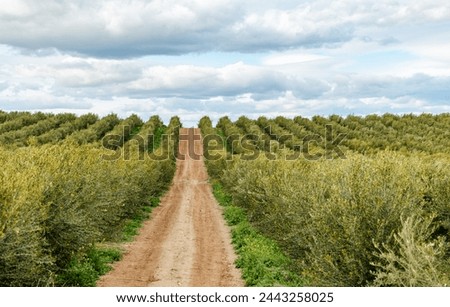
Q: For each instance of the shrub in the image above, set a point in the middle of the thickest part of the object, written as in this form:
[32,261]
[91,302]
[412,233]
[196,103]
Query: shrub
[24,260]
[416,259]
[331,216]
[57,201]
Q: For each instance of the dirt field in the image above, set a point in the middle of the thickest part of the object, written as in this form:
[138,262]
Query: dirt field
[186,241]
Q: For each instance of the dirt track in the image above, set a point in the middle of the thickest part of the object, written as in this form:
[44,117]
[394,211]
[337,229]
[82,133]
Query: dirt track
[186,241]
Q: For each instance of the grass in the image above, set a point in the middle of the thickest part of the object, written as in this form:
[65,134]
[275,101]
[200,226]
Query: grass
[85,271]
[260,259]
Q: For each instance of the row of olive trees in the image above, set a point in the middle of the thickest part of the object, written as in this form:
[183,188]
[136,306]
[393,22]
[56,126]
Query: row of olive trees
[57,201]
[368,135]
[17,120]
[9,116]
[382,219]
[94,132]
[54,136]
[22,136]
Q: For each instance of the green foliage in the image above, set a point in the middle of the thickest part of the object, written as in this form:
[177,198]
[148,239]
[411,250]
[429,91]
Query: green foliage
[85,271]
[232,135]
[95,131]
[277,133]
[205,124]
[24,260]
[17,120]
[213,147]
[234,215]
[173,133]
[368,135]
[56,135]
[122,132]
[340,220]
[416,260]
[254,135]
[149,136]
[79,273]
[101,258]
[21,136]
[382,218]
[3,116]
[260,259]
[57,201]
[133,225]
[330,216]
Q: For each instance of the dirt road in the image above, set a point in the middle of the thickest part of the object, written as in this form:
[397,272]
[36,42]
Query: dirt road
[186,241]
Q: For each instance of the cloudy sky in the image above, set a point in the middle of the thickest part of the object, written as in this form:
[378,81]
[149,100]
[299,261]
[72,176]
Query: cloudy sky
[225,57]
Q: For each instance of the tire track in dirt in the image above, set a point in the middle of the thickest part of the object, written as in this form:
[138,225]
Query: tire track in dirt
[186,241]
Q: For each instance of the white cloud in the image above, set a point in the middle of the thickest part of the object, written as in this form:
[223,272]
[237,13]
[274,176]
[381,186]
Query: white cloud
[288,58]
[14,8]
[201,81]
[122,28]
[123,86]
[225,57]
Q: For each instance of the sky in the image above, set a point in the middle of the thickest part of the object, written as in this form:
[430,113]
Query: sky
[254,58]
